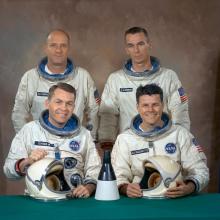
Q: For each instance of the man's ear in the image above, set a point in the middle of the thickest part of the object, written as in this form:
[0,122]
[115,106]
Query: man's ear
[150,45]
[126,51]
[46,103]
[137,106]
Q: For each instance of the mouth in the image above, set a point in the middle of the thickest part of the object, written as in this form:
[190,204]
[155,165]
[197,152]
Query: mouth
[62,115]
[151,114]
[58,57]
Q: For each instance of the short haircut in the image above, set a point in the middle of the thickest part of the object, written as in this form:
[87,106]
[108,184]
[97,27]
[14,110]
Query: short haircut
[59,30]
[149,89]
[135,30]
[64,86]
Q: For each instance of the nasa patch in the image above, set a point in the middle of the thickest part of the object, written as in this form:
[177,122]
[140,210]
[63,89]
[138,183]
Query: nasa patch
[170,148]
[74,145]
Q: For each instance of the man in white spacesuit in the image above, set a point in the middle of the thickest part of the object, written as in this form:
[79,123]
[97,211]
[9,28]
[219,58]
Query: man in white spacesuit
[57,130]
[56,67]
[153,133]
[118,103]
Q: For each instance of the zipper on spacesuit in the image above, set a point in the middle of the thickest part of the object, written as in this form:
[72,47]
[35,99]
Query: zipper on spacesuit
[151,146]
[57,152]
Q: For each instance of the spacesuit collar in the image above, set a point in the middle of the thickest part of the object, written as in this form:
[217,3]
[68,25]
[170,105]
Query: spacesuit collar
[154,62]
[54,77]
[135,123]
[72,126]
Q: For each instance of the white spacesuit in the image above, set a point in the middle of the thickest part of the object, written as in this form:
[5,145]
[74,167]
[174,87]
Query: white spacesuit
[118,102]
[34,87]
[134,146]
[72,139]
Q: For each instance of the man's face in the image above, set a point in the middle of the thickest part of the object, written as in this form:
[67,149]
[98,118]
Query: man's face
[137,47]
[60,107]
[150,109]
[57,48]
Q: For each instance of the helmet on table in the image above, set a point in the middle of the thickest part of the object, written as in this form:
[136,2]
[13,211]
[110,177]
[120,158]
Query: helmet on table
[51,179]
[160,173]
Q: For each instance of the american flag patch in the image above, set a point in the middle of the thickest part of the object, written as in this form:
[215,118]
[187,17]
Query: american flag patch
[198,147]
[97,97]
[183,96]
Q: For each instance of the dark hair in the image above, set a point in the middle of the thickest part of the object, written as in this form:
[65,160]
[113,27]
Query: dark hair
[149,89]
[64,86]
[60,30]
[135,30]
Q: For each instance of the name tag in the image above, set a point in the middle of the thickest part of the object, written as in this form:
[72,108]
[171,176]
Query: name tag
[42,143]
[42,94]
[141,151]
[126,89]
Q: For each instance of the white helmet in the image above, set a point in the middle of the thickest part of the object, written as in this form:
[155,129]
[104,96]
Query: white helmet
[160,173]
[51,179]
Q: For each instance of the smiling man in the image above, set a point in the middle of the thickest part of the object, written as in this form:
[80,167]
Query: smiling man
[57,129]
[118,104]
[56,67]
[152,133]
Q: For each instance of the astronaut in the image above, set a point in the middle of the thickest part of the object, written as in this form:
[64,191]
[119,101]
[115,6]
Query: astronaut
[118,103]
[152,133]
[57,130]
[56,67]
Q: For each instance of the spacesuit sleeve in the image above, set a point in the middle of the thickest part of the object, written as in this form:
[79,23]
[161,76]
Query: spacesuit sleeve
[194,162]
[92,162]
[92,106]
[109,113]
[18,150]
[22,105]
[121,161]
[178,102]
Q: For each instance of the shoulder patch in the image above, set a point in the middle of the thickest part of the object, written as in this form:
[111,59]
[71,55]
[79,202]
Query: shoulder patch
[196,144]
[97,97]
[182,94]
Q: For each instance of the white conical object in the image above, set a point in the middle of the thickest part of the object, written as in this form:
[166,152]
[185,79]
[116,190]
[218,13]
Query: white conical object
[107,188]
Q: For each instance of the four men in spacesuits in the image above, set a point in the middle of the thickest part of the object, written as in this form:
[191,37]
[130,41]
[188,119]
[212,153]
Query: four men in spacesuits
[118,106]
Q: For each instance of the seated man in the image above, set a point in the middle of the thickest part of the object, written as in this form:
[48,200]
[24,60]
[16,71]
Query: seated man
[152,133]
[59,129]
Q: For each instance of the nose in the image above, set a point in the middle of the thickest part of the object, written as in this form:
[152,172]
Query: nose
[58,48]
[150,108]
[63,107]
[136,48]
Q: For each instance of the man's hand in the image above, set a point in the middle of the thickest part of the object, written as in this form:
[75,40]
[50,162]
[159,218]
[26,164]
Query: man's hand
[132,190]
[37,154]
[181,189]
[83,191]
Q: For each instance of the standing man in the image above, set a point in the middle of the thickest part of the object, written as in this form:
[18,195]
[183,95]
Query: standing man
[118,103]
[151,134]
[57,128]
[55,67]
